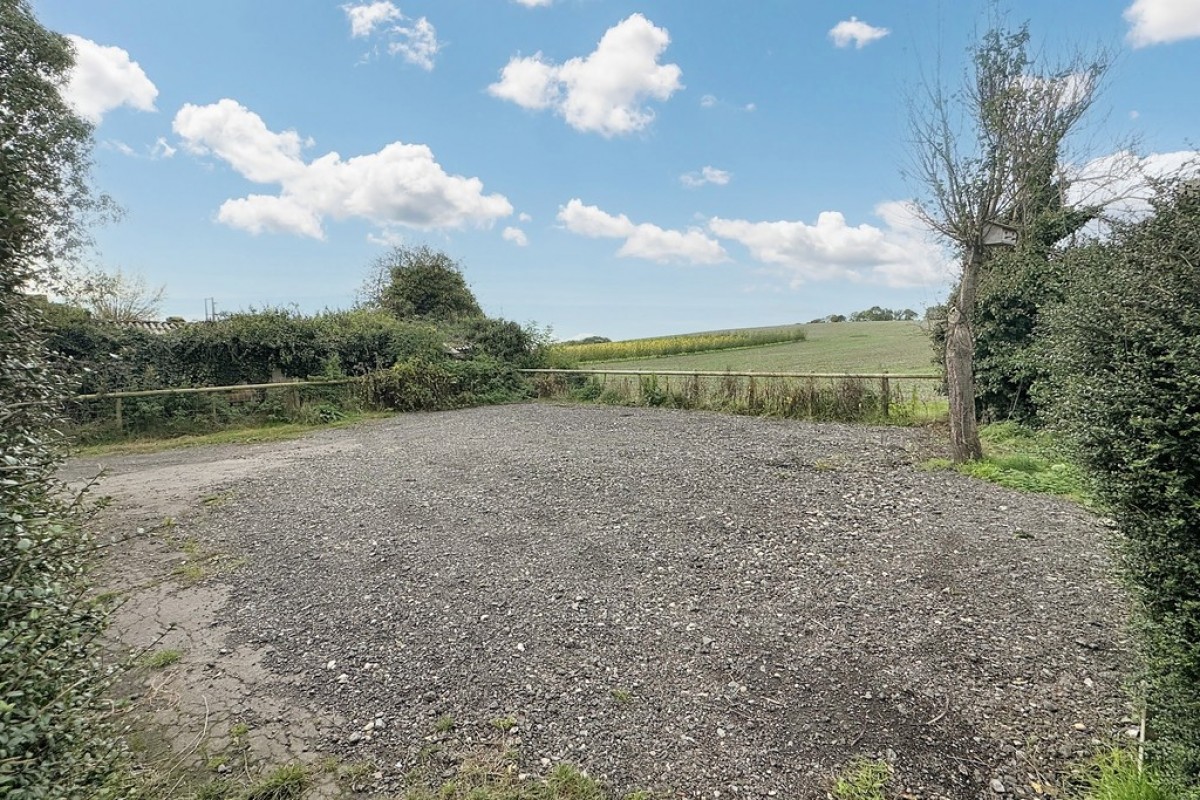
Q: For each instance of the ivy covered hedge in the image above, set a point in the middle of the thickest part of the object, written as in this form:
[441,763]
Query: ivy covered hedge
[1122,354]
[480,355]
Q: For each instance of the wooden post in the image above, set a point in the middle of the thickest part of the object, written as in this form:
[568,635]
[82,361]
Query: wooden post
[885,394]
[120,424]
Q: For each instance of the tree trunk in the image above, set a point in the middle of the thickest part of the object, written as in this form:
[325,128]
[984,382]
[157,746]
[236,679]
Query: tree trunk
[960,364]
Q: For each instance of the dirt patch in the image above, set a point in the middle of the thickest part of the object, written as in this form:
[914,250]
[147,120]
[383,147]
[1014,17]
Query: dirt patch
[681,601]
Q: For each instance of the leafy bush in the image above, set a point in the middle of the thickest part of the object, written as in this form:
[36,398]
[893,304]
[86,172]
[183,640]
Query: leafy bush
[54,742]
[1123,352]
[420,385]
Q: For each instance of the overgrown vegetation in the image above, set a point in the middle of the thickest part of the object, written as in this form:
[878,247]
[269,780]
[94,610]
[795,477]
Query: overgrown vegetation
[1123,353]
[454,363]
[674,345]
[1117,775]
[54,739]
[841,400]
[1026,459]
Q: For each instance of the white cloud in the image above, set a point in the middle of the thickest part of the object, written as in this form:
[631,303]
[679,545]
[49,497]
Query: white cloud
[535,3]
[855,31]
[400,184]
[155,152]
[717,177]
[161,149]
[523,217]
[1162,21]
[604,92]
[416,43]
[365,17]
[119,146]
[515,235]
[899,254]
[1123,182]
[642,240]
[387,237]
[104,78]
[708,101]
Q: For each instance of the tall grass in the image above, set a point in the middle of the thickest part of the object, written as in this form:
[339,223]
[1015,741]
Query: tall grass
[840,399]
[676,345]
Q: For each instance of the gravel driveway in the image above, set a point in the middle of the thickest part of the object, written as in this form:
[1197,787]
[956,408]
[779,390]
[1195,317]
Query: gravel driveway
[694,603]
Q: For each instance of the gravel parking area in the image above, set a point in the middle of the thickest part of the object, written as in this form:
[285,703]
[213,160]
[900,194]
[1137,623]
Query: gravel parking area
[697,604]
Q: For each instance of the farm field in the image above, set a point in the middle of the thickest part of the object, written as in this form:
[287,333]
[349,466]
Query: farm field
[897,347]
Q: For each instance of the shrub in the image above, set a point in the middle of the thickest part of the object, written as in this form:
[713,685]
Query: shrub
[420,385]
[1123,353]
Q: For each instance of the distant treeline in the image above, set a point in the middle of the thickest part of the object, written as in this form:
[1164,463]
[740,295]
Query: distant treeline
[872,314]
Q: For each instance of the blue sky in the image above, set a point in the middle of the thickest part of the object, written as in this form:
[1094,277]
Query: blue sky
[600,166]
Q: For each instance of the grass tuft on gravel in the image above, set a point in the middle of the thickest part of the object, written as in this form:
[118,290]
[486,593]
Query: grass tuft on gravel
[1116,775]
[862,779]
[161,659]
[288,782]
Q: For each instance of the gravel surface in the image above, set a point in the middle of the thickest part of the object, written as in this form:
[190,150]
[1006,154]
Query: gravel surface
[699,604]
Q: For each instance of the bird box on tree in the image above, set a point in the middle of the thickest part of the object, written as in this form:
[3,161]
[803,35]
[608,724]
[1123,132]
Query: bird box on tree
[997,233]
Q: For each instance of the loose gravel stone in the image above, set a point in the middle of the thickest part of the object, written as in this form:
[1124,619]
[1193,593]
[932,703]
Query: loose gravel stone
[678,600]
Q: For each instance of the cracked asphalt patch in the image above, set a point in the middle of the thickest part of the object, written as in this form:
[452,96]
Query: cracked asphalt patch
[678,601]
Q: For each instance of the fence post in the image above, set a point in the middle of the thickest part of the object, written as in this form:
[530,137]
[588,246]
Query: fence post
[120,424]
[885,394]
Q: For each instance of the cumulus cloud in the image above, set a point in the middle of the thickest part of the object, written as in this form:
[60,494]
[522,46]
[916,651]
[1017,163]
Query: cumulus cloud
[604,92]
[1162,21]
[694,180]
[708,101]
[416,43]
[105,78]
[535,3]
[642,240]
[401,184]
[855,32]
[899,254]
[515,235]
[366,17]
[1123,182]
[523,217]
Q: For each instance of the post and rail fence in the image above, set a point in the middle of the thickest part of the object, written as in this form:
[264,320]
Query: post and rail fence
[884,378]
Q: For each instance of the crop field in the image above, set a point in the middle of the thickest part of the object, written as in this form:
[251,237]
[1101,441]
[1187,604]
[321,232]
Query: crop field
[676,345]
[895,347]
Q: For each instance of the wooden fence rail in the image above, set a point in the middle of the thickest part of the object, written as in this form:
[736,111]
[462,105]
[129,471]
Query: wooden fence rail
[884,378]
[118,396]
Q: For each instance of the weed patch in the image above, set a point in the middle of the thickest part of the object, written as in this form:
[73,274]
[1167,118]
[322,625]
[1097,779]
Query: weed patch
[862,779]
[161,659]
[1020,458]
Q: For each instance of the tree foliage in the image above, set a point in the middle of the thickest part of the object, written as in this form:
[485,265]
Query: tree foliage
[1123,355]
[991,152]
[419,283]
[113,296]
[52,741]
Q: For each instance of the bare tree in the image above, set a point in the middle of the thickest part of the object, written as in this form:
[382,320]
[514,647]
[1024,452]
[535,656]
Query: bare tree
[989,157]
[114,296]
